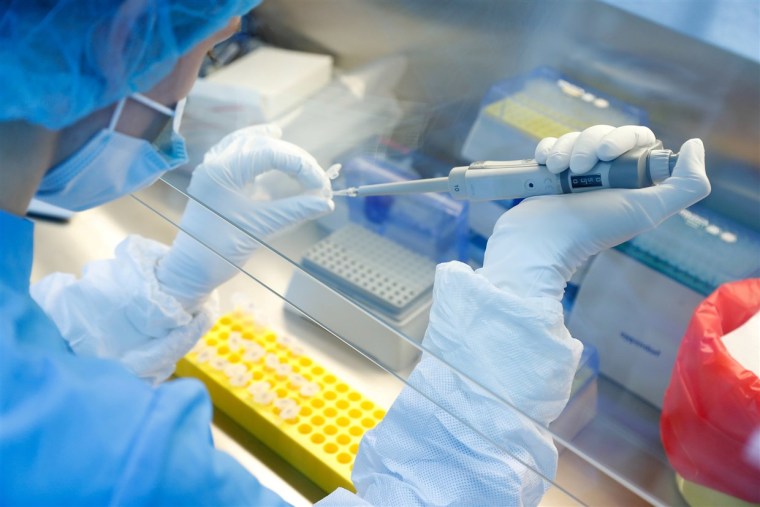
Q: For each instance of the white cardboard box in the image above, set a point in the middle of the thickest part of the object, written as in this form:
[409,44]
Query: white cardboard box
[279,79]
[636,318]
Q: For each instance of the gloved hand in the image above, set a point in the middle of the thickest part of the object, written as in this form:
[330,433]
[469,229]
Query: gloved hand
[537,246]
[258,182]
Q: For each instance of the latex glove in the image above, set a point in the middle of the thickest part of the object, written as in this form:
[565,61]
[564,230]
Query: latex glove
[538,245]
[257,181]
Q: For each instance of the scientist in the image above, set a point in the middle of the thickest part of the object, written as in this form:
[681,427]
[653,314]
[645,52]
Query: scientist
[87,95]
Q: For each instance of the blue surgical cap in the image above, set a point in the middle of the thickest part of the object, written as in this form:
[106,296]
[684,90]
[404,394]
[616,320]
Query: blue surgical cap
[62,59]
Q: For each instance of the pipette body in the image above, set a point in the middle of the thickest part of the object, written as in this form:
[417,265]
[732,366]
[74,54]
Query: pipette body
[487,181]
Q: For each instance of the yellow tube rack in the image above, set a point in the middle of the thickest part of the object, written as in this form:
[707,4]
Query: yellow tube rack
[292,404]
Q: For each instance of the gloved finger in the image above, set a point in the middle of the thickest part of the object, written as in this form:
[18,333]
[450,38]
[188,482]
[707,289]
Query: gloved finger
[623,139]
[583,157]
[687,185]
[543,148]
[293,161]
[238,139]
[315,205]
[295,210]
[558,158]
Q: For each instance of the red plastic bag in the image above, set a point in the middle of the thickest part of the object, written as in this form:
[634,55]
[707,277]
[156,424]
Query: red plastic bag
[712,405]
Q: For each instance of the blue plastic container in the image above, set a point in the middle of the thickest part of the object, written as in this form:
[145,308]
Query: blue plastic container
[433,225]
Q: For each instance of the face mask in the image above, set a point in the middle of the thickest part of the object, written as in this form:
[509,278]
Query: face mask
[111,164]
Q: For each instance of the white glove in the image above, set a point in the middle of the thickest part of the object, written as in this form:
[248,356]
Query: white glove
[538,245]
[258,182]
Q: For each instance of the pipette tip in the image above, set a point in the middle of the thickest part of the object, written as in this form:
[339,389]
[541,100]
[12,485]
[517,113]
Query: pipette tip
[346,192]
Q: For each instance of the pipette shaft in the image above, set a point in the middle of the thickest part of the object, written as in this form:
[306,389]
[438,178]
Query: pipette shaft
[484,181]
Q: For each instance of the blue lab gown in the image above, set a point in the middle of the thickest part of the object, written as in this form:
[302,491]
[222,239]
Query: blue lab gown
[83,431]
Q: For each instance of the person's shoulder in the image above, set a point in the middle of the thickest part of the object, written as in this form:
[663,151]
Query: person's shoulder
[24,325]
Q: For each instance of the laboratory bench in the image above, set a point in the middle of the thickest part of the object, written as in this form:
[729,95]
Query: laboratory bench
[400,89]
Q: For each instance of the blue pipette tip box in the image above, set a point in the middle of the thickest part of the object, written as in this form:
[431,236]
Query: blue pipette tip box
[432,225]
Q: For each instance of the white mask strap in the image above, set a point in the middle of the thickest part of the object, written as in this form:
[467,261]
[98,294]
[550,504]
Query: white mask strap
[116,114]
[176,114]
[179,111]
[142,99]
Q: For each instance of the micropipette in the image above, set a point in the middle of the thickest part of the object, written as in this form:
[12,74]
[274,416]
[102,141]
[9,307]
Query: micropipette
[487,181]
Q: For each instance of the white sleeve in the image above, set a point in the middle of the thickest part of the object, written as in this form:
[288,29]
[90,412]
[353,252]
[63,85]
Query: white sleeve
[467,448]
[117,310]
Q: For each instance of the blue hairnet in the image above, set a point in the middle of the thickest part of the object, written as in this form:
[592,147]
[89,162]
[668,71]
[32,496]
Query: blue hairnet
[62,59]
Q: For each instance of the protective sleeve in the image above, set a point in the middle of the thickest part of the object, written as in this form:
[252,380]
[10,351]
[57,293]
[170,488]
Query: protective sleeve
[446,440]
[118,310]
[85,431]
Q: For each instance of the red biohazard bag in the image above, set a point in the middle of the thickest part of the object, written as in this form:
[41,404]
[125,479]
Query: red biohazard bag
[712,405]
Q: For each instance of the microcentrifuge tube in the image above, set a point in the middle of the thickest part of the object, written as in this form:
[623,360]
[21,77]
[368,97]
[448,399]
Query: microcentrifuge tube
[241,379]
[289,413]
[258,387]
[271,361]
[218,363]
[254,352]
[207,354]
[283,370]
[297,380]
[232,370]
[284,403]
[333,171]
[288,408]
[264,397]
[309,389]
[235,341]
